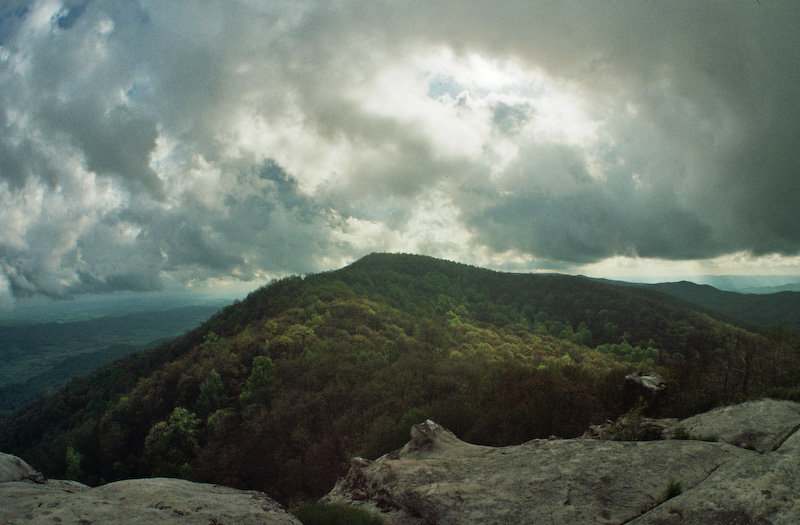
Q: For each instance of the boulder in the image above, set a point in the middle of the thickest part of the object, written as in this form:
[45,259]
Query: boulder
[643,387]
[26,497]
[13,468]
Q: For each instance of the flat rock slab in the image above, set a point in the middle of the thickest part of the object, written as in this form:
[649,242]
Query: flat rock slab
[761,425]
[761,489]
[445,481]
[139,501]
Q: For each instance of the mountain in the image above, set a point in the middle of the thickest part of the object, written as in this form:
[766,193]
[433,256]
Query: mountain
[788,287]
[763,311]
[760,311]
[279,391]
[33,310]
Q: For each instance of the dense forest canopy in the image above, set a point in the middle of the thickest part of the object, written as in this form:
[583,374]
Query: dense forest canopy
[278,391]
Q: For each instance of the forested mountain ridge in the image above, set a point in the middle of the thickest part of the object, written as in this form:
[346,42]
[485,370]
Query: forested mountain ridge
[761,311]
[277,391]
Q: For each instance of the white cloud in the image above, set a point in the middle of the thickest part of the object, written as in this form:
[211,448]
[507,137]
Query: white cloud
[159,144]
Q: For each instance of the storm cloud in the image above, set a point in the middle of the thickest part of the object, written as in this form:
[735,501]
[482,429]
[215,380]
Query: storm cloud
[146,145]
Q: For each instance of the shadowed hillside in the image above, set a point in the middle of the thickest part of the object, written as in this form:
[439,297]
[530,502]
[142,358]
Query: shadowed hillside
[761,311]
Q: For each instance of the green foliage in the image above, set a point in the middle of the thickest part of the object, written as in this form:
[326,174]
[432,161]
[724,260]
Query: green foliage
[73,460]
[171,445]
[681,433]
[386,435]
[784,392]
[674,489]
[632,354]
[258,388]
[317,513]
[212,395]
[627,427]
[210,340]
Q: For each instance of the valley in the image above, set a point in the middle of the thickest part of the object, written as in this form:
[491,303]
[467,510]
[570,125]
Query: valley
[40,356]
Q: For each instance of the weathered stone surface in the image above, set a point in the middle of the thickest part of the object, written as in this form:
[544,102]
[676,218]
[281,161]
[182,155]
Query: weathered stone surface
[543,481]
[139,501]
[13,468]
[761,425]
[760,488]
[430,439]
[437,478]
[643,387]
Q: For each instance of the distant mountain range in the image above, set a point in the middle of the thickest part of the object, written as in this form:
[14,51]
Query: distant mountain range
[761,284]
[84,308]
[790,287]
[755,311]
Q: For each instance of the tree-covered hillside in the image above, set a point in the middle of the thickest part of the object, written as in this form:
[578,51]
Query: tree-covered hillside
[761,311]
[278,391]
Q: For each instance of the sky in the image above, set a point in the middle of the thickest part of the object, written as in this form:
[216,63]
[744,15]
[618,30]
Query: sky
[205,145]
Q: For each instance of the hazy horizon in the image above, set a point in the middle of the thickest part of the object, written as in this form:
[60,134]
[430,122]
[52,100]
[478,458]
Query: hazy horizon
[89,306]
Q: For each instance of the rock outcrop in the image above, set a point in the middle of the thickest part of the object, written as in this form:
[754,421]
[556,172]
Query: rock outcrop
[436,478]
[13,468]
[27,497]
[761,425]
[758,489]
[749,475]
[648,388]
[764,487]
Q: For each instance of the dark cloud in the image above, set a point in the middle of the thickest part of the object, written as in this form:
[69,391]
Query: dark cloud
[715,91]
[69,14]
[117,142]
[147,145]
[590,225]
